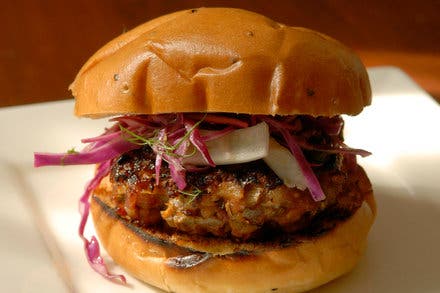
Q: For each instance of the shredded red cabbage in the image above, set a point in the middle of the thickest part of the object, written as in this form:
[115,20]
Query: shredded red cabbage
[197,140]
[334,149]
[330,125]
[220,119]
[91,247]
[211,135]
[310,177]
[158,162]
[102,153]
[171,136]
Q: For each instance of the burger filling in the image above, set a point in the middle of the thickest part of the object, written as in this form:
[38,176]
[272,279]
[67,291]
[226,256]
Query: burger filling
[243,201]
[244,177]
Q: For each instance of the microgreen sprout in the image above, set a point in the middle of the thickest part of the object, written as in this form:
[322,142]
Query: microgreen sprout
[72,151]
[160,144]
[191,194]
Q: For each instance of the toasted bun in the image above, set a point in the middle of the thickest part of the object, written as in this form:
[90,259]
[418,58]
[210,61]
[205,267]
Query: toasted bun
[297,267]
[221,60]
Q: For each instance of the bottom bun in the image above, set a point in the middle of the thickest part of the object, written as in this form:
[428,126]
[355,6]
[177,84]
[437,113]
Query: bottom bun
[296,267]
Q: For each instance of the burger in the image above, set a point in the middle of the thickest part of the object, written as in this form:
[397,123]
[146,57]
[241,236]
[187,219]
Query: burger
[224,167]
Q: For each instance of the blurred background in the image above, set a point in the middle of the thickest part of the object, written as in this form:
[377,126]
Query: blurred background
[44,43]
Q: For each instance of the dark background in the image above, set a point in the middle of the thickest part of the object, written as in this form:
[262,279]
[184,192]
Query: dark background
[44,43]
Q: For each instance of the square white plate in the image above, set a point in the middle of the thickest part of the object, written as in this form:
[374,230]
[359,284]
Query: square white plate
[41,252]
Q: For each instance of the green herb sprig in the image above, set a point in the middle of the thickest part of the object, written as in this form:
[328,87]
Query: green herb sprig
[191,194]
[154,141]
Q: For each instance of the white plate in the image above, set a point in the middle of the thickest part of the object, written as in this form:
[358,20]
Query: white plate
[41,252]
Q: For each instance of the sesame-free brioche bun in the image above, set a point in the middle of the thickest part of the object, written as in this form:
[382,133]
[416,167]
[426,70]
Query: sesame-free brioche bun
[295,267]
[230,61]
[221,60]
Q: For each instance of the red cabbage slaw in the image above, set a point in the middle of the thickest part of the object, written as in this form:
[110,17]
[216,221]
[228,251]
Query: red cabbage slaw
[91,247]
[310,177]
[171,136]
[168,135]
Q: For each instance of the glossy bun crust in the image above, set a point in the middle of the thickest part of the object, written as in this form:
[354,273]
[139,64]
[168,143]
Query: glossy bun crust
[297,267]
[221,60]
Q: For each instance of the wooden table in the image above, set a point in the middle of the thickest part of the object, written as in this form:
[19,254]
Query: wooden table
[44,43]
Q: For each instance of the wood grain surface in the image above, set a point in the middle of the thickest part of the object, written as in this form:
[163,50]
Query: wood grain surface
[44,43]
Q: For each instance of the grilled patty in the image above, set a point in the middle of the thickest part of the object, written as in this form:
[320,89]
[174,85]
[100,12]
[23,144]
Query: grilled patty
[243,201]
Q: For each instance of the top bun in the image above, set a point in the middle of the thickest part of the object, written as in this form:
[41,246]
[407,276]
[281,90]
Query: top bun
[221,60]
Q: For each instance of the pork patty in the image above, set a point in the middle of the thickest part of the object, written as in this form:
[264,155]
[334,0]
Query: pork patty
[242,201]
